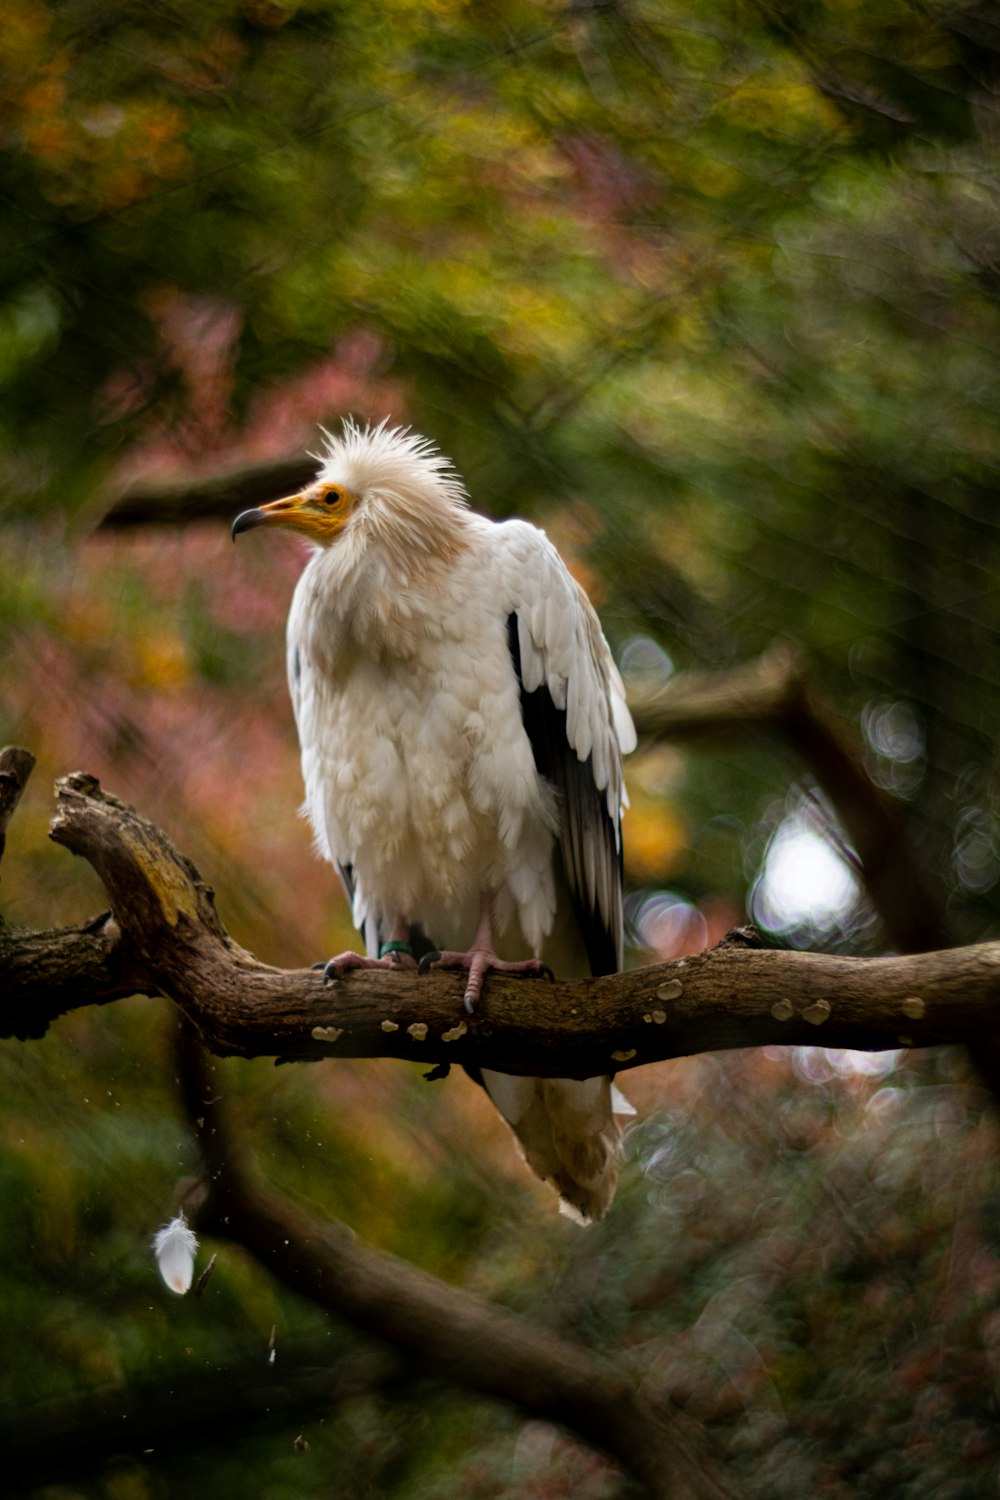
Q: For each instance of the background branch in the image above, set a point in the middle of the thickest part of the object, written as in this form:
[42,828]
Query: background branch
[771,695]
[453,1333]
[16,766]
[212,497]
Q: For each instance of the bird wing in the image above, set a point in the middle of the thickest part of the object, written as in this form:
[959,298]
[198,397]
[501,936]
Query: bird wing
[574,713]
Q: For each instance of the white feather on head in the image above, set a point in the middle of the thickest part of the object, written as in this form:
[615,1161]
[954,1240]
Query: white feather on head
[408,493]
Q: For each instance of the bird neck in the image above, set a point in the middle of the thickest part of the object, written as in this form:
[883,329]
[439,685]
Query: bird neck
[376,582]
[404,535]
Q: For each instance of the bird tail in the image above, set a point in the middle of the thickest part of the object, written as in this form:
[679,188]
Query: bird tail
[568,1134]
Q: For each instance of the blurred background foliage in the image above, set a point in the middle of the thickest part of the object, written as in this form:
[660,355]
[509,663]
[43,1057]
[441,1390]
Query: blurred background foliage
[711,291]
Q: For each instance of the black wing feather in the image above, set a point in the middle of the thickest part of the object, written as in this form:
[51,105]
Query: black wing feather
[584,819]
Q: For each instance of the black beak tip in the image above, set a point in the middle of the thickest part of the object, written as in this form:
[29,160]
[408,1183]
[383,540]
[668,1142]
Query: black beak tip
[246,521]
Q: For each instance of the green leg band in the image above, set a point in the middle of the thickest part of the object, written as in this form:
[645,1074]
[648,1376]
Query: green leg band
[395,946]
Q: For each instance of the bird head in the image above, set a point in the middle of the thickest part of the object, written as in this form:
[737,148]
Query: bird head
[378,483]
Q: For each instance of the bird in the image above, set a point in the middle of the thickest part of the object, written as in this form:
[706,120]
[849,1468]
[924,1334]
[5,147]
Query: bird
[462,725]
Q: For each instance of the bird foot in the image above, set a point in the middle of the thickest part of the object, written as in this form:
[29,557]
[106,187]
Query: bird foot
[482,961]
[337,967]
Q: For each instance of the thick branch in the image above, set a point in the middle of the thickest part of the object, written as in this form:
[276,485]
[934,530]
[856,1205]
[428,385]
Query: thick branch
[453,1333]
[172,943]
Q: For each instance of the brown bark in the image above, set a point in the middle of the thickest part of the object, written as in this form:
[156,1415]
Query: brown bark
[165,938]
[453,1333]
[16,766]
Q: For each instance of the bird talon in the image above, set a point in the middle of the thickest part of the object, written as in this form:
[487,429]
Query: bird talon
[469,1002]
[544,972]
[330,975]
[428,960]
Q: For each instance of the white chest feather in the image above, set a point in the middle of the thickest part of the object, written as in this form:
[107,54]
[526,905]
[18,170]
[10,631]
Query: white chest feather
[418,772]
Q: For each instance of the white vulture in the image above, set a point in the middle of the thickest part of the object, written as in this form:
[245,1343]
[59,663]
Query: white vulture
[462,724]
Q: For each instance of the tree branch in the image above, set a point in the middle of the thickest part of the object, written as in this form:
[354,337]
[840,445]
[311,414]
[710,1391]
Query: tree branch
[179,501]
[165,938]
[772,695]
[16,765]
[45,974]
[452,1332]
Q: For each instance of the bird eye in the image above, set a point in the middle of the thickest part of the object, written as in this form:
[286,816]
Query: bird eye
[331,497]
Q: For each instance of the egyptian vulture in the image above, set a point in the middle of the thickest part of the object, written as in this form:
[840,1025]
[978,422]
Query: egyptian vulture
[462,724]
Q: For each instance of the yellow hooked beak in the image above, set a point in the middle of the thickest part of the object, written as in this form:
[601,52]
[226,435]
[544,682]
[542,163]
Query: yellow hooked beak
[318,513]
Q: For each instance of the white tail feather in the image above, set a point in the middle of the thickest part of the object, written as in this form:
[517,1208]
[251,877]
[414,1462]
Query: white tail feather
[568,1135]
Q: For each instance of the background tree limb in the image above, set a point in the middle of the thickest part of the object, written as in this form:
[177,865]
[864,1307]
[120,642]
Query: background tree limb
[212,497]
[454,1333]
[16,766]
[772,695]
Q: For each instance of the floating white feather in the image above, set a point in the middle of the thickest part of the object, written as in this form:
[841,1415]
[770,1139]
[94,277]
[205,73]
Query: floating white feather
[174,1247]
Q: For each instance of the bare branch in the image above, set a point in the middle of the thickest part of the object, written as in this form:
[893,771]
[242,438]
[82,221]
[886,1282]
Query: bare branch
[214,497]
[452,1332]
[771,694]
[166,938]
